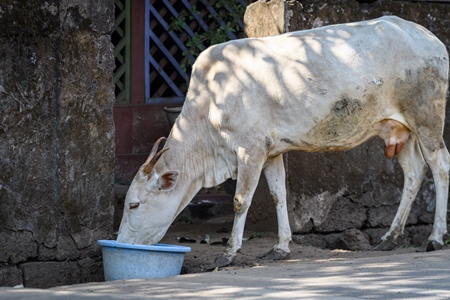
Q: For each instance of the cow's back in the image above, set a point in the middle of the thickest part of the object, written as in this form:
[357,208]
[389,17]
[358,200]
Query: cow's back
[318,89]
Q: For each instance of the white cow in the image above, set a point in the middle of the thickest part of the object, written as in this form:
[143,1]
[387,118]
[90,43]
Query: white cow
[324,89]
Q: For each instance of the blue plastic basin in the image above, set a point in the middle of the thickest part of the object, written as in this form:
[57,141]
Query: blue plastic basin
[130,261]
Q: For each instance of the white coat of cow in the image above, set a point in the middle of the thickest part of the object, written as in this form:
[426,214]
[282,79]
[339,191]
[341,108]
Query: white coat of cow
[324,89]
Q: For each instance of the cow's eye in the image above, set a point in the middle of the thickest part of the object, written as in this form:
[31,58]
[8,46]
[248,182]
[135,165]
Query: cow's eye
[134,205]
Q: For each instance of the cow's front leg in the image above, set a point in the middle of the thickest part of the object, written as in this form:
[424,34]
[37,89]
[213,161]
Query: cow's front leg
[249,169]
[235,242]
[276,180]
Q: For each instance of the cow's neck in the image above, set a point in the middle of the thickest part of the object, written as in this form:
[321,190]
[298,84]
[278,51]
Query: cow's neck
[189,154]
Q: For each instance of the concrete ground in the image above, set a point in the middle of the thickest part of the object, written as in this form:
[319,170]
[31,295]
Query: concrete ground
[404,276]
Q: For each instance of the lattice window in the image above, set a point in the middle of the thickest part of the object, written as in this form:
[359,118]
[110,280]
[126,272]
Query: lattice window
[165,76]
[121,38]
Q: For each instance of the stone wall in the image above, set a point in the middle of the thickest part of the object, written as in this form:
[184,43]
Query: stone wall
[56,140]
[332,193]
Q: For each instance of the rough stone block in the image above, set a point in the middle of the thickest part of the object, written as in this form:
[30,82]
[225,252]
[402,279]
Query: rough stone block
[49,274]
[352,239]
[265,18]
[314,240]
[380,216]
[17,246]
[374,234]
[10,276]
[91,270]
[418,234]
[331,239]
[64,249]
[344,215]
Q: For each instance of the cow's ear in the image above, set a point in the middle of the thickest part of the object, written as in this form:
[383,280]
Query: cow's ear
[167,180]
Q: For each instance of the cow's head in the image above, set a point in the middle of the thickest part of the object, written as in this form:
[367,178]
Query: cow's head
[147,210]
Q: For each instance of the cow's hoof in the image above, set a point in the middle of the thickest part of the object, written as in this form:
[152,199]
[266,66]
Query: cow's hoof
[384,245]
[275,254]
[428,246]
[223,260]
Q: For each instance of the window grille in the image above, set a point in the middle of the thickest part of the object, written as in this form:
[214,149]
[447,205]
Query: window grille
[165,76]
[121,38]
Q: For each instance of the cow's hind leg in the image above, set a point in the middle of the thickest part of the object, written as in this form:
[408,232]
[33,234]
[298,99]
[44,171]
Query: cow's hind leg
[276,180]
[438,160]
[249,169]
[414,168]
